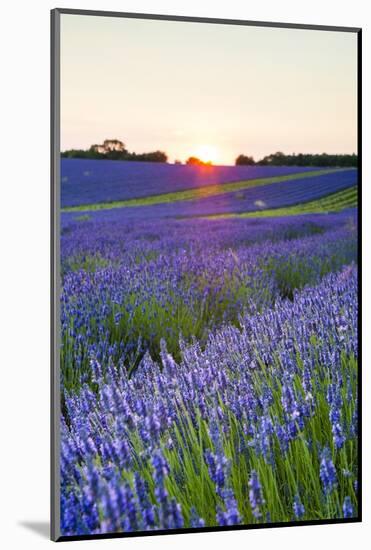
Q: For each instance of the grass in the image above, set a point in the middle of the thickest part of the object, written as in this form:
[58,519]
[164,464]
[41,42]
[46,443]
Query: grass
[199,193]
[335,202]
[87,262]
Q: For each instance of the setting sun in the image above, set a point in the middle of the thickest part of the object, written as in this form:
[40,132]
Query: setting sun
[207,153]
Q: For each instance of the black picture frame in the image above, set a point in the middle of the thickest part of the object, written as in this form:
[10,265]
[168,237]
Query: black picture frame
[55,267]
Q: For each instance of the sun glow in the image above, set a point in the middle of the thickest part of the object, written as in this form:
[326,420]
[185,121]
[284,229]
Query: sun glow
[207,153]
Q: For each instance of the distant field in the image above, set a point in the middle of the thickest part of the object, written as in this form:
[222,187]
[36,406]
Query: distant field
[86,181]
[284,192]
[202,192]
[335,202]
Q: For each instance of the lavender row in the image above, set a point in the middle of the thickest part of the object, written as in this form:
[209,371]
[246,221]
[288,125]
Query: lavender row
[86,181]
[123,291]
[108,232]
[274,195]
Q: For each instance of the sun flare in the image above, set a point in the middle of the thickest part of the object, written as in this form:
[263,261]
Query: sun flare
[207,153]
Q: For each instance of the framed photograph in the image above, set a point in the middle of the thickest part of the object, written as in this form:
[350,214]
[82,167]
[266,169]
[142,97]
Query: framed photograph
[206,207]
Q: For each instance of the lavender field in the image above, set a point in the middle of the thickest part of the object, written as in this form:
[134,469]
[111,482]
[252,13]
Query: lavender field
[86,181]
[208,366]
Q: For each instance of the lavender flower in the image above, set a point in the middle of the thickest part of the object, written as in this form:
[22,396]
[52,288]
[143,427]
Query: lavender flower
[196,520]
[348,511]
[298,507]
[255,495]
[327,472]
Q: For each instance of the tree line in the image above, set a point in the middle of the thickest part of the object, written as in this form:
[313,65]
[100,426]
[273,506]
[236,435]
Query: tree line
[300,159]
[153,156]
[113,149]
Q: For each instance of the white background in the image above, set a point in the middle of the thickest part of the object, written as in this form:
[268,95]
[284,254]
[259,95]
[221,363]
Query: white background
[24,269]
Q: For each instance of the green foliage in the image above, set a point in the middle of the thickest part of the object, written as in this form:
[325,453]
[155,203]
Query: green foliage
[335,202]
[244,160]
[293,273]
[86,262]
[83,218]
[121,153]
[280,159]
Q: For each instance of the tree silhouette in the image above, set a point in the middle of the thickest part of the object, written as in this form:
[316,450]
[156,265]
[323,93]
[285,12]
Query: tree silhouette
[244,160]
[195,161]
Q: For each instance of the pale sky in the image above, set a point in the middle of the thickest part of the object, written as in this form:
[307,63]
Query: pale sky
[205,89]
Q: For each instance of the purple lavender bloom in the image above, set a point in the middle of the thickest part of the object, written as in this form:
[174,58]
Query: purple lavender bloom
[335,414]
[70,514]
[176,512]
[96,370]
[110,508]
[221,516]
[146,508]
[232,515]
[282,436]
[298,507]
[354,424]
[160,466]
[348,511]
[255,495]
[338,436]
[218,464]
[196,520]
[327,472]
[128,505]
